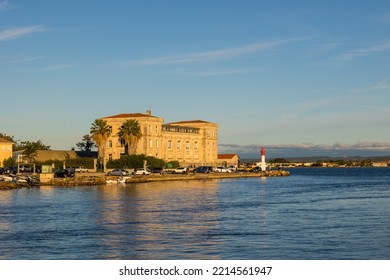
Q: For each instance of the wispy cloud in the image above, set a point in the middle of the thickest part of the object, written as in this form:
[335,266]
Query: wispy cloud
[362,52]
[226,72]
[18,32]
[21,60]
[5,5]
[223,54]
[384,18]
[57,67]
[384,84]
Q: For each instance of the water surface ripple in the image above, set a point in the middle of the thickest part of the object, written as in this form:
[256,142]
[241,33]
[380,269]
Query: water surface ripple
[313,214]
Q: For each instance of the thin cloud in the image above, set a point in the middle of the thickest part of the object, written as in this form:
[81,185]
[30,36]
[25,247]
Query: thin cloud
[384,18]
[223,54]
[4,6]
[57,67]
[227,72]
[374,50]
[384,84]
[18,32]
[21,60]
[378,146]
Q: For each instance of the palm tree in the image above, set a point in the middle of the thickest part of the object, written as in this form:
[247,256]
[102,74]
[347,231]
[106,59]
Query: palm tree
[100,132]
[129,134]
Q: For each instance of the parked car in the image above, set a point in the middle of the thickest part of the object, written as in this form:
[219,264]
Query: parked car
[158,170]
[118,172]
[222,169]
[203,169]
[63,173]
[11,170]
[26,168]
[141,171]
[81,169]
[1,171]
[181,170]
[232,168]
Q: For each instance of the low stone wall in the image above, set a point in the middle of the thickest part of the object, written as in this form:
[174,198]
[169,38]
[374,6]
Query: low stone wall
[84,180]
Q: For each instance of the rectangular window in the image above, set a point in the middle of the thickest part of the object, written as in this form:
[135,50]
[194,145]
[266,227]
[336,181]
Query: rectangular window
[157,144]
[178,144]
[169,144]
[110,143]
[195,145]
[150,143]
[187,145]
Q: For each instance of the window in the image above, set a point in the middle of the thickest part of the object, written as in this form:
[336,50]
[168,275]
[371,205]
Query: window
[157,144]
[187,145]
[110,143]
[150,143]
[109,156]
[169,144]
[178,144]
[195,145]
[156,129]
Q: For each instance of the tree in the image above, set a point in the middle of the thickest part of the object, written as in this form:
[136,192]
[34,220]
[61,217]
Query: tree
[100,132]
[9,162]
[129,134]
[86,144]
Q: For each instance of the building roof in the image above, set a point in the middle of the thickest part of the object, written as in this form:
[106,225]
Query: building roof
[189,122]
[129,115]
[226,156]
[44,155]
[3,140]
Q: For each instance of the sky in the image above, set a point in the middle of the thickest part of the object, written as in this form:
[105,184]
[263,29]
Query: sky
[298,77]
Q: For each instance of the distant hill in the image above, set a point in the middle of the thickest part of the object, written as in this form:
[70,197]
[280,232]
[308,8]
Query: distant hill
[326,158]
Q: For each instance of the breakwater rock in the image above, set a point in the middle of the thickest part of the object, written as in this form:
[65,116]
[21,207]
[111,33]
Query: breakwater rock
[8,186]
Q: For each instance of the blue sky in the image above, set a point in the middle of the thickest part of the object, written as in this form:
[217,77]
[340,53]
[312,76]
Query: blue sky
[301,75]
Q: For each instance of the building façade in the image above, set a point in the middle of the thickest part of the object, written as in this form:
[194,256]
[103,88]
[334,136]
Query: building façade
[192,143]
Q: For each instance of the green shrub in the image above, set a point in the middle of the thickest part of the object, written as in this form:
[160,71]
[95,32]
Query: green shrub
[134,161]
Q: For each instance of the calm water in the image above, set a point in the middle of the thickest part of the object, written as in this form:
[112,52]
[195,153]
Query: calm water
[313,214]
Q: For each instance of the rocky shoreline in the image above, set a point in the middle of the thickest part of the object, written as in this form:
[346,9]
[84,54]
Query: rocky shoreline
[100,179]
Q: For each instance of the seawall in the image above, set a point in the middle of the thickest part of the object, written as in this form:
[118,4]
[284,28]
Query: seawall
[101,179]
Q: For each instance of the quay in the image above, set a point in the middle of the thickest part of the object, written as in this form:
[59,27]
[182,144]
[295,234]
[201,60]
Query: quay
[101,179]
[93,179]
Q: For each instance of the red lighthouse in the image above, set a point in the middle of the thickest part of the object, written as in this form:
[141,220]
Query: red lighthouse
[263,165]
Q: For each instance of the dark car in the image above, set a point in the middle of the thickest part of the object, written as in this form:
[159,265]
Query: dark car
[1,171]
[203,169]
[63,173]
[158,170]
[11,170]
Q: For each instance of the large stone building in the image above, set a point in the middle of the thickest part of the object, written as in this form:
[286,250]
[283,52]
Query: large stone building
[5,150]
[192,143]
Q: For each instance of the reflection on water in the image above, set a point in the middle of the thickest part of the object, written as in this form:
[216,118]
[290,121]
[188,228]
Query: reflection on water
[152,221]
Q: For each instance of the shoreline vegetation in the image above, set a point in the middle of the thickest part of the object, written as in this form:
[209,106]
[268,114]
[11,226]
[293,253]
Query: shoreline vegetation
[93,179]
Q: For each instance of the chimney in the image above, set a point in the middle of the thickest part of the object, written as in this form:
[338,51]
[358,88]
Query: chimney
[149,112]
